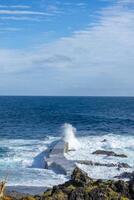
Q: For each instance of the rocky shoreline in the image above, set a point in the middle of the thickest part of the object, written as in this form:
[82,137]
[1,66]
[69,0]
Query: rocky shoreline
[82,187]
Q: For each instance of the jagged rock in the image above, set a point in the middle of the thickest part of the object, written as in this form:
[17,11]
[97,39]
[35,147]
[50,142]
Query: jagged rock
[80,177]
[123,165]
[109,153]
[81,187]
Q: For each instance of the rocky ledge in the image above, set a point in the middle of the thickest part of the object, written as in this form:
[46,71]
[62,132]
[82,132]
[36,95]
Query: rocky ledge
[109,153]
[82,187]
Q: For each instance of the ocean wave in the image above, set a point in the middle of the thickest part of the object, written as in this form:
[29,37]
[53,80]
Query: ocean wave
[119,144]
[18,158]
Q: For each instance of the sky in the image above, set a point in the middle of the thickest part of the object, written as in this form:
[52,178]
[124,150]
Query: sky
[67,47]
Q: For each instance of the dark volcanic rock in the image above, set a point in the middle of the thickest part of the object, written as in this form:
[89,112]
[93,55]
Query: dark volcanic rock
[109,153]
[123,165]
[80,177]
[125,175]
[104,140]
[97,193]
[131,186]
[122,187]
[91,163]
[81,187]
[78,194]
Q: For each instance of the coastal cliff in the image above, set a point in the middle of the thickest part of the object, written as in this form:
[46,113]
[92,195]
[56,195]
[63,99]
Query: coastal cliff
[82,187]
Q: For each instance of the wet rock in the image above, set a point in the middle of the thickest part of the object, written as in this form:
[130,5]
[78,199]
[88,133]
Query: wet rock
[109,153]
[104,140]
[123,165]
[91,163]
[125,175]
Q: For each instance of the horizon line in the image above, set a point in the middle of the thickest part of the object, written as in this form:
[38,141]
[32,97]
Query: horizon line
[24,95]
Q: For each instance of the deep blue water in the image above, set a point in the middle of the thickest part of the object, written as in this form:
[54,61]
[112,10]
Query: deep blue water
[37,117]
[28,125]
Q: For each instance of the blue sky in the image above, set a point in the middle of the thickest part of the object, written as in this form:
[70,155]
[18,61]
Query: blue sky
[76,47]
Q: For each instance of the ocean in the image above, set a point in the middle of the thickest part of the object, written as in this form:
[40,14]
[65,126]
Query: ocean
[28,126]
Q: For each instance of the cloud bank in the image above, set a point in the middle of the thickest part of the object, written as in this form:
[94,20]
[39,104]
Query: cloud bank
[98,60]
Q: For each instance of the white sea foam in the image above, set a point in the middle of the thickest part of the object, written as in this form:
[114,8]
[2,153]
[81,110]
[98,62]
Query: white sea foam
[102,172]
[20,156]
[69,137]
[18,160]
[118,143]
[32,177]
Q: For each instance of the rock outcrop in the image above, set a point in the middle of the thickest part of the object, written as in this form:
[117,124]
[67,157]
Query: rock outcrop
[109,153]
[91,163]
[125,175]
[81,187]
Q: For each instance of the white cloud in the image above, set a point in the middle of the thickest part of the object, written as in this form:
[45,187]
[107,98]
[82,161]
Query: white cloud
[105,44]
[15,6]
[22,18]
[22,12]
[54,9]
[101,56]
[81,4]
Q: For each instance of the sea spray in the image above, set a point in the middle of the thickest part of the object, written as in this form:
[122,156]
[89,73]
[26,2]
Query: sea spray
[69,136]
